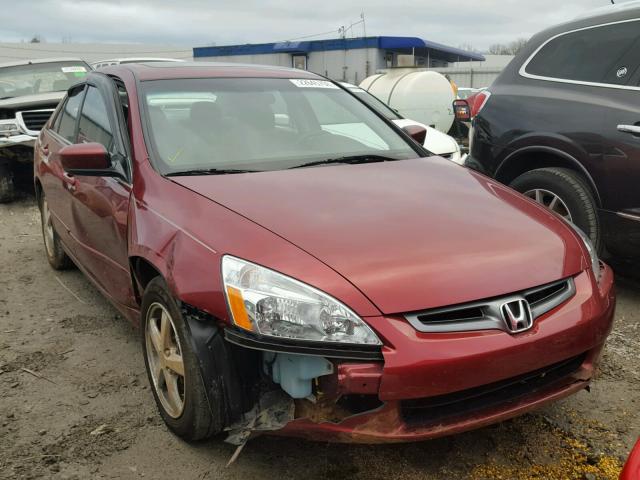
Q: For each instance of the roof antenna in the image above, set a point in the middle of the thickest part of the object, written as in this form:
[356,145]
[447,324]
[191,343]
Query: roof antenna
[613,2]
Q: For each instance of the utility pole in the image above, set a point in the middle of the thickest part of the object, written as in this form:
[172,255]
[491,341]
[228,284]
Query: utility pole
[364,25]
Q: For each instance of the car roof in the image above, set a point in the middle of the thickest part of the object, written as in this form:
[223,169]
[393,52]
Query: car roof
[171,70]
[41,60]
[136,60]
[610,14]
[608,9]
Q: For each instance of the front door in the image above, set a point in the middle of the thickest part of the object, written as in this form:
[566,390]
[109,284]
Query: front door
[99,205]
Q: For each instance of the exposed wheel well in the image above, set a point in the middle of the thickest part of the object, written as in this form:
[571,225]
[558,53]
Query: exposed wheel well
[515,166]
[143,272]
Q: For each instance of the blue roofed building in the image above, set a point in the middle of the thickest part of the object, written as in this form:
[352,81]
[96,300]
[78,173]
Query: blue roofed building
[345,59]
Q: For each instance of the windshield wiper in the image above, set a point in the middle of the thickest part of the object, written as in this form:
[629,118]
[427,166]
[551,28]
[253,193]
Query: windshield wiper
[351,160]
[209,171]
[4,98]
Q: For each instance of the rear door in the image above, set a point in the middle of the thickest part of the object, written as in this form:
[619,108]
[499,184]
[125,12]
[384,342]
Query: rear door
[622,134]
[56,182]
[600,69]
[100,204]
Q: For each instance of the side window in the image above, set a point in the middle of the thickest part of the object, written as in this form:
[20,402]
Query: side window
[66,124]
[94,122]
[603,54]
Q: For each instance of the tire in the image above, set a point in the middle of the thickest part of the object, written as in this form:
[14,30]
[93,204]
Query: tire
[196,419]
[56,255]
[7,185]
[575,197]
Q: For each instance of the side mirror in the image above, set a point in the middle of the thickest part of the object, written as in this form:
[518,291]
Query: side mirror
[418,133]
[462,110]
[85,159]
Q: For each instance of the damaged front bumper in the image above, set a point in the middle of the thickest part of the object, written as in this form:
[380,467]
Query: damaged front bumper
[20,139]
[429,385]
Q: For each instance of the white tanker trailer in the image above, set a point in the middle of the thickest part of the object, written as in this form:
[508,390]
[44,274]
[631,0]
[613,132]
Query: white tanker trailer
[424,96]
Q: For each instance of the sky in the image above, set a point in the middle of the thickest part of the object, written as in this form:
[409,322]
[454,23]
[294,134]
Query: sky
[191,23]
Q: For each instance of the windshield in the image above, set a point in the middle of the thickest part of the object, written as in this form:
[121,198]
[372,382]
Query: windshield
[376,104]
[260,124]
[40,78]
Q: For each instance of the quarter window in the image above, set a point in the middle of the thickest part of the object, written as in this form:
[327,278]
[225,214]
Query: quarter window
[94,121]
[67,124]
[602,54]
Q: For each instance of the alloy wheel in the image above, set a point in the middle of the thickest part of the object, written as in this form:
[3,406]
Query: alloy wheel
[550,200]
[47,229]
[165,360]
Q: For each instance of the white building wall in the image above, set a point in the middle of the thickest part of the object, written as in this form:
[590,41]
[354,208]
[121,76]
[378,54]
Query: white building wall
[351,66]
[274,59]
[359,63]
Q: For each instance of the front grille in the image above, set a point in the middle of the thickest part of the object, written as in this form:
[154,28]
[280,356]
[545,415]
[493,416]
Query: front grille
[435,409]
[486,314]
[34,120]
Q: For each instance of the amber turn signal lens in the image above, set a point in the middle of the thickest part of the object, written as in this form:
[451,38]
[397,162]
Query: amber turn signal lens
[239,313]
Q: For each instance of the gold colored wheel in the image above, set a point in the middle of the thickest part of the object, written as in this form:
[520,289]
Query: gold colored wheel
[164,356]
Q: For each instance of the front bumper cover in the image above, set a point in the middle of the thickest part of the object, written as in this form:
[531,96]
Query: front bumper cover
[422,367]
[21,139]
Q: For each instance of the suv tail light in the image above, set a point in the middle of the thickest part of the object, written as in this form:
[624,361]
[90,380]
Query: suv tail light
[479,102]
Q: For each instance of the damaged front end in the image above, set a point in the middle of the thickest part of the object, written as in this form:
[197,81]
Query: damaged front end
[268,385]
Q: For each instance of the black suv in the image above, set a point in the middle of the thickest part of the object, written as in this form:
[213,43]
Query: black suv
[561,124]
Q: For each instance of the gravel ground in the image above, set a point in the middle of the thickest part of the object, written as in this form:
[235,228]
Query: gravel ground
[75,401]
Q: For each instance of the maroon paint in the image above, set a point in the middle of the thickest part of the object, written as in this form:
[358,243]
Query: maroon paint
[383,238]
[84,156]
[631,470]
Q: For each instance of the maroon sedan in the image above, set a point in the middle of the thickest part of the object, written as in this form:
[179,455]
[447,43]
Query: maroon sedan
[298,264]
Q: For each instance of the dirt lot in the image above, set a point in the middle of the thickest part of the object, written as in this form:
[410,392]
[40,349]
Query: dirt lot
[75,402]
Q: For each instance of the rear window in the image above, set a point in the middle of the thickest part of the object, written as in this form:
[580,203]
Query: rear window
[602,54]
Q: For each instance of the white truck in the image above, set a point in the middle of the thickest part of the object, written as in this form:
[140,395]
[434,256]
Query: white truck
[30,90]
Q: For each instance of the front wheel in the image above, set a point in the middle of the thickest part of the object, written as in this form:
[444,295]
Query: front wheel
[566,193]
[172,367]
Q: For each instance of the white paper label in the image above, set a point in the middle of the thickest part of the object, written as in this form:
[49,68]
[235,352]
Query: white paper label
[307,83]
[74,69]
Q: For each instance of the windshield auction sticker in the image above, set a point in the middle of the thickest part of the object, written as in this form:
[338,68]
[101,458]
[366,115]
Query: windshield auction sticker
[306,83]
[78,69]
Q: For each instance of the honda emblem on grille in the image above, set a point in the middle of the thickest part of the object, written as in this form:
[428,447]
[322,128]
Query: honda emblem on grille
[517,315]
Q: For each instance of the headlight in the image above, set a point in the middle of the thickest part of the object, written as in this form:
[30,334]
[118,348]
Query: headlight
[8,128]
[269,303]
[595,261]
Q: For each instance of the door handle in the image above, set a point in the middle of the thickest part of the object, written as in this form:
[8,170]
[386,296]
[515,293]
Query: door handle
[633,129]
[69,181]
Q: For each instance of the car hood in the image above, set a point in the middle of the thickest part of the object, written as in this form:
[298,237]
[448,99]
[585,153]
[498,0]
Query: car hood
[37,100]
[410,234]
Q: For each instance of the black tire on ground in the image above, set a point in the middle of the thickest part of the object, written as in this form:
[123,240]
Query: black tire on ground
[7,185]
[57,257]
[573,190]
[199,420]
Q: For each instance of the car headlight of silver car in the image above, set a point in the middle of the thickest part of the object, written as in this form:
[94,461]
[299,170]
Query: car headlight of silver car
[269,303]
[8,128]
[595,260]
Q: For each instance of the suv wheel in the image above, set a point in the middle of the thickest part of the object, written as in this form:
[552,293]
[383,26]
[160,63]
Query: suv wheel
[56,255]
[7,185]
[564,192]
[172,367]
